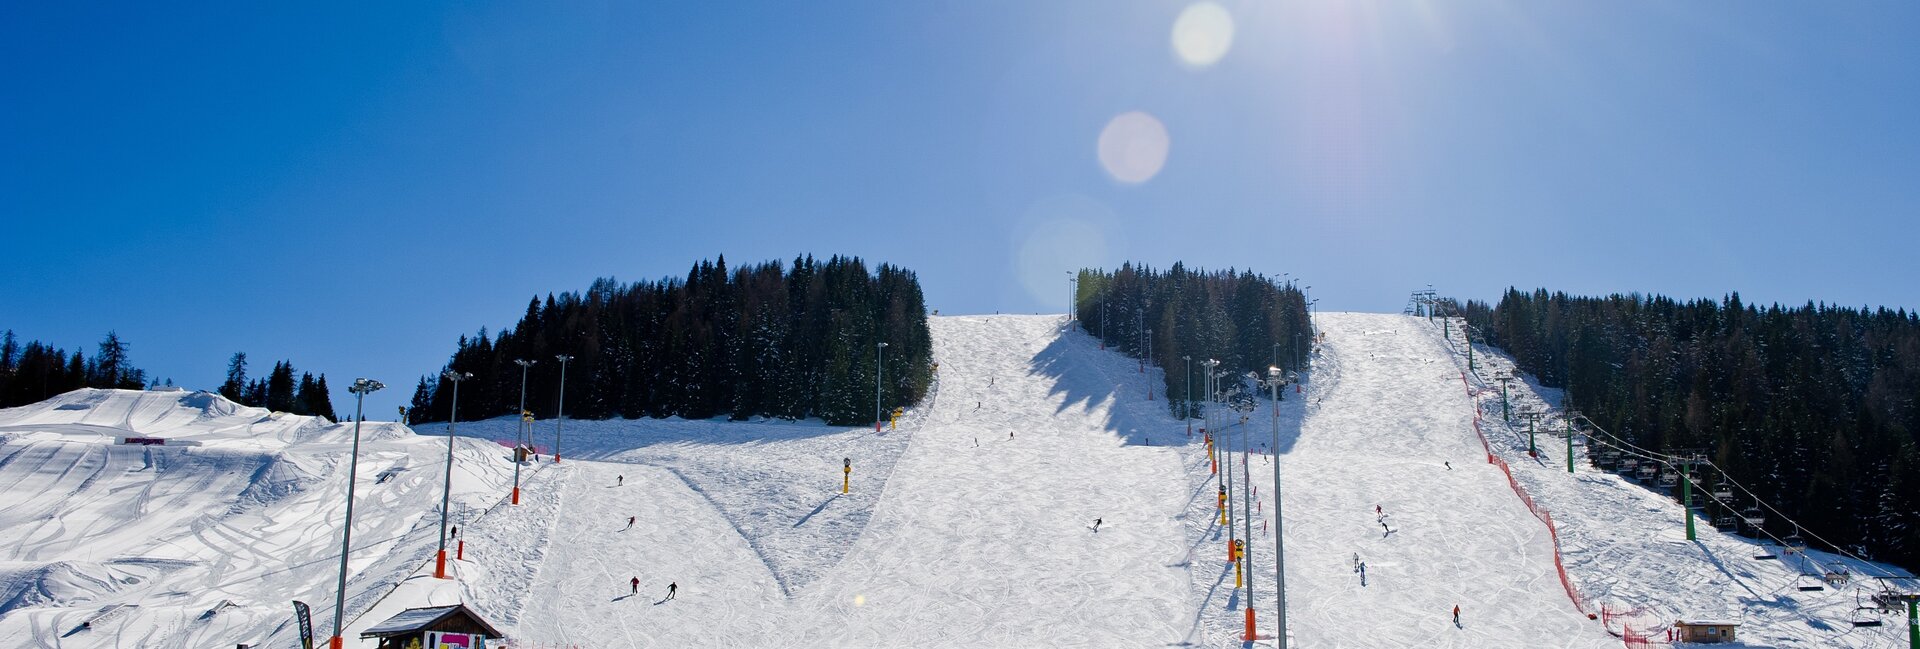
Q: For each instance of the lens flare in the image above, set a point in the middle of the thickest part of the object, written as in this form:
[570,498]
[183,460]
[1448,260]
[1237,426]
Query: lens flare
[1133,147]
[1202,34]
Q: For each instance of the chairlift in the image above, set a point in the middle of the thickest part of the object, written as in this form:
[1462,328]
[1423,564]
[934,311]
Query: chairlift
[1808,583]
[1752,517]
[1723,491]
[1890,600]
[1723,521]
[1864,614]
[1765,554]
[1647,471]
[1793,541]
[1668,478]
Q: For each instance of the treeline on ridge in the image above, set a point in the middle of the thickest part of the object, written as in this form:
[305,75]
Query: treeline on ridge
[36,371]
[279,391]
[762,340]
[1813,407]
[1248,322]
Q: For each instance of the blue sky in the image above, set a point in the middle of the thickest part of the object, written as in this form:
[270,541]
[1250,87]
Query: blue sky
[354,187]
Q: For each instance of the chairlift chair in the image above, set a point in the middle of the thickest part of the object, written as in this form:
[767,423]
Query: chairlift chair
[1723,491]
[1865,614]
[1668,478]
[1647,471]
[1723,521]
[1808,583]
[1752,517]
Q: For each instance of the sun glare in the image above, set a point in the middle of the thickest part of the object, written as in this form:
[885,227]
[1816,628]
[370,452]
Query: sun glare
[1133,147]
[1202,34]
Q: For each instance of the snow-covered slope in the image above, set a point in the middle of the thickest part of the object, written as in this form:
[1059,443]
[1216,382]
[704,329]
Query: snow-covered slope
[971,525]
[205,540]
[1626,548]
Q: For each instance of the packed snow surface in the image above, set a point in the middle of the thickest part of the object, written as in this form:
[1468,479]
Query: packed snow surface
[972,524]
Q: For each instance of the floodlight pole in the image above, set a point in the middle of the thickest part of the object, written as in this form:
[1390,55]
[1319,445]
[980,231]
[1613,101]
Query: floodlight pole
[361,388]
[526,429]
[878,370]
[446,491]
[1279,529]
[560,409]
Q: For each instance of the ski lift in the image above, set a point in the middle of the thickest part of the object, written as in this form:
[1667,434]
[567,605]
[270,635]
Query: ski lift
[1647,471]
[1864,614]
[1723,520]
[1723,491]
[1668,478]
[1808,583]
[1765,554]
[1793,541]
[1890,600]
[1752,517]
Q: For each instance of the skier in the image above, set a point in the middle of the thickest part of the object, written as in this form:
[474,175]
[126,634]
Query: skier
[1356,562]
[636,585]
[1363,573]
[630,522]
[674,587]
[1456,615]
[1096,526]
[619,480]
[1009,434]
[1384,530]
[1449,465]
[455,533]
[1377,512]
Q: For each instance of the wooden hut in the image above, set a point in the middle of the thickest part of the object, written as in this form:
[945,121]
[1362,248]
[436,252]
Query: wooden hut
[1704,631]
[433,627]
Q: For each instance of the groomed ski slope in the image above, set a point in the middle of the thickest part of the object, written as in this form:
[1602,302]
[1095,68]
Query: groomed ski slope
[978,537]
[1385,416]
[975,538]
[968,526]
[1625,544]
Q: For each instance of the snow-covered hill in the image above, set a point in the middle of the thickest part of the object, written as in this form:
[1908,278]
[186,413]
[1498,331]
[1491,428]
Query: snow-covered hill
[971,525]
[202,541]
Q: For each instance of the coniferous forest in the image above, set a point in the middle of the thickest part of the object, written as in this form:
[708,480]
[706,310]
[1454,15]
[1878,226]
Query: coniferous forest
[35,371]
[1248,322]
[769,340]
[1813,407]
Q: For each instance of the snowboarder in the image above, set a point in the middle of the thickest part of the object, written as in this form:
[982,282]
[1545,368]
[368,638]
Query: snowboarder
[1363,573]
[619,480]
[1456,615]
[1449,465]
[630,522]
[636,585]
[674,587]
[1384,529]
[1096,526]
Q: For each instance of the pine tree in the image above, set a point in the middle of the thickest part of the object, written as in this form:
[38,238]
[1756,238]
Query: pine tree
[235,387]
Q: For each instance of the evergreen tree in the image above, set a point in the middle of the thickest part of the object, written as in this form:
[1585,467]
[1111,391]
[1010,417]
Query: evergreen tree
[235,387]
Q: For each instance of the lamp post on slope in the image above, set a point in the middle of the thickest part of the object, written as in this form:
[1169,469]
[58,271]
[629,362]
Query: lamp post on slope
[879,352]
[560,409]
[1279,532]
[524,439]
[361,388]
[446,491]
